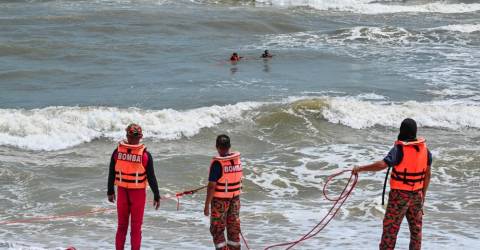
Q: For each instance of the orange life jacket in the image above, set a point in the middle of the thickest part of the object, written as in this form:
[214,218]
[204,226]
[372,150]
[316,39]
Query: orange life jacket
[129,170]
[409,175]
[230,184]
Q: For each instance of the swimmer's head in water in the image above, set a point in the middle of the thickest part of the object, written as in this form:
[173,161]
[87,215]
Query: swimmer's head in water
[266,54]
[234,57]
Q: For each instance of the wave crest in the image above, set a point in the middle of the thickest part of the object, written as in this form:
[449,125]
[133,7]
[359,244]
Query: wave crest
[55,128]
[377,7]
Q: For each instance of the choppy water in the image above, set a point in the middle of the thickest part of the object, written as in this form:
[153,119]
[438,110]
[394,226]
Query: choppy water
[344,75]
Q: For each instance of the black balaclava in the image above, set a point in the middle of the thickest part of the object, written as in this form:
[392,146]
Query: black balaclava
[408,130]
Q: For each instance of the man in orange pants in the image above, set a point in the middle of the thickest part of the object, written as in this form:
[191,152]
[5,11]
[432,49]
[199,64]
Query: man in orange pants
[130,168]
[223,194]
[411,161]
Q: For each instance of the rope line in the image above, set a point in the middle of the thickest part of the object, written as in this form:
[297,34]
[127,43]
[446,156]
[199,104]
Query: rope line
[94,210]
[340,200]
[332,212]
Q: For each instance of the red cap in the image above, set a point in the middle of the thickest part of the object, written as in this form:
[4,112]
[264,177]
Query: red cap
[134,130]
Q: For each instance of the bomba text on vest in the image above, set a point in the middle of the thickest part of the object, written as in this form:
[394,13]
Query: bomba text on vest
[232,169]
[129,157]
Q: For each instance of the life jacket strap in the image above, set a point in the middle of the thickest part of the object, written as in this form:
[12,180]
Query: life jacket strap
[405,173]
[132,181]
[228,190]
[229,184]
[407,181]
[135,174]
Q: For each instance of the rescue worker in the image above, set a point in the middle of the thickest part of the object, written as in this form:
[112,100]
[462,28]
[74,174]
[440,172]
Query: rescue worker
[131,166]
[223,196]
[411,163]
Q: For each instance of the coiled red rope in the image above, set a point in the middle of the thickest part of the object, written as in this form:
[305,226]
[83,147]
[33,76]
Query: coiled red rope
[340,200]
[347,190]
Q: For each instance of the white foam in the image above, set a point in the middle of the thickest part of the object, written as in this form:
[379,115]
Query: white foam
[55,128]
[365,36]
[345,39]
[458,90]
[371,96]
[371,7]
[360,114]
[464,28]
[368,110]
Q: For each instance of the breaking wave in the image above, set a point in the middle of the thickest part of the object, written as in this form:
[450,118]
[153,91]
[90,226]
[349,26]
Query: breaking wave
[464,28]
[360,114]
[370,35]
[378,7]
[55,128]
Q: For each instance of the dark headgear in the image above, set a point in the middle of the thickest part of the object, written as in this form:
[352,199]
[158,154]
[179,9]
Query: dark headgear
[408,130]
[223,141]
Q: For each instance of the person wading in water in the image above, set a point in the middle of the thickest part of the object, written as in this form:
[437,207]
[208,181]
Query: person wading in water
[130,168]
[223,195]
[411,162]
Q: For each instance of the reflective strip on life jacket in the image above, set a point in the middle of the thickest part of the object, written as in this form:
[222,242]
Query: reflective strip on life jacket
[230,184]
[409,174]
[129,169]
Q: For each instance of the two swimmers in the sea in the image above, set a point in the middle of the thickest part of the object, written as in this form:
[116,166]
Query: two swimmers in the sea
[235,57]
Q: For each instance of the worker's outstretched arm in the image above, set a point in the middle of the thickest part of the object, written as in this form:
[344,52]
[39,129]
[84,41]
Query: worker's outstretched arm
[376,166]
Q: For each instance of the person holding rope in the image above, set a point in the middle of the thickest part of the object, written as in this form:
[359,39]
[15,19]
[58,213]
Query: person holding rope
[131,166]
[411,161]
[223,196]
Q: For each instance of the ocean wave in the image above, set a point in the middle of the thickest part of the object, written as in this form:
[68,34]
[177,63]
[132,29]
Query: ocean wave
[360,114]
[367,35]
[464,28]
[377,7]
[55,128]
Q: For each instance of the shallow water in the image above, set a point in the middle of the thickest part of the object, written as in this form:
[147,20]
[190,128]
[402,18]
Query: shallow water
[344,75]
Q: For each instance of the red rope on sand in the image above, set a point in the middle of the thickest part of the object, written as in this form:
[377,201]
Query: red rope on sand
[93,210]
[339,200]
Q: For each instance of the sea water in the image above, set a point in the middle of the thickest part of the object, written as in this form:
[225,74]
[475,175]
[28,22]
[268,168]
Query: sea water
[345,73]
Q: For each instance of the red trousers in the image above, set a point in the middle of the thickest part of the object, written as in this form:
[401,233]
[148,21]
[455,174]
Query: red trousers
[130,205]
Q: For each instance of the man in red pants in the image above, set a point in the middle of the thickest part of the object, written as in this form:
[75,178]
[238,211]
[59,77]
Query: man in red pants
[223,194]
[411,161]
[130,168]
